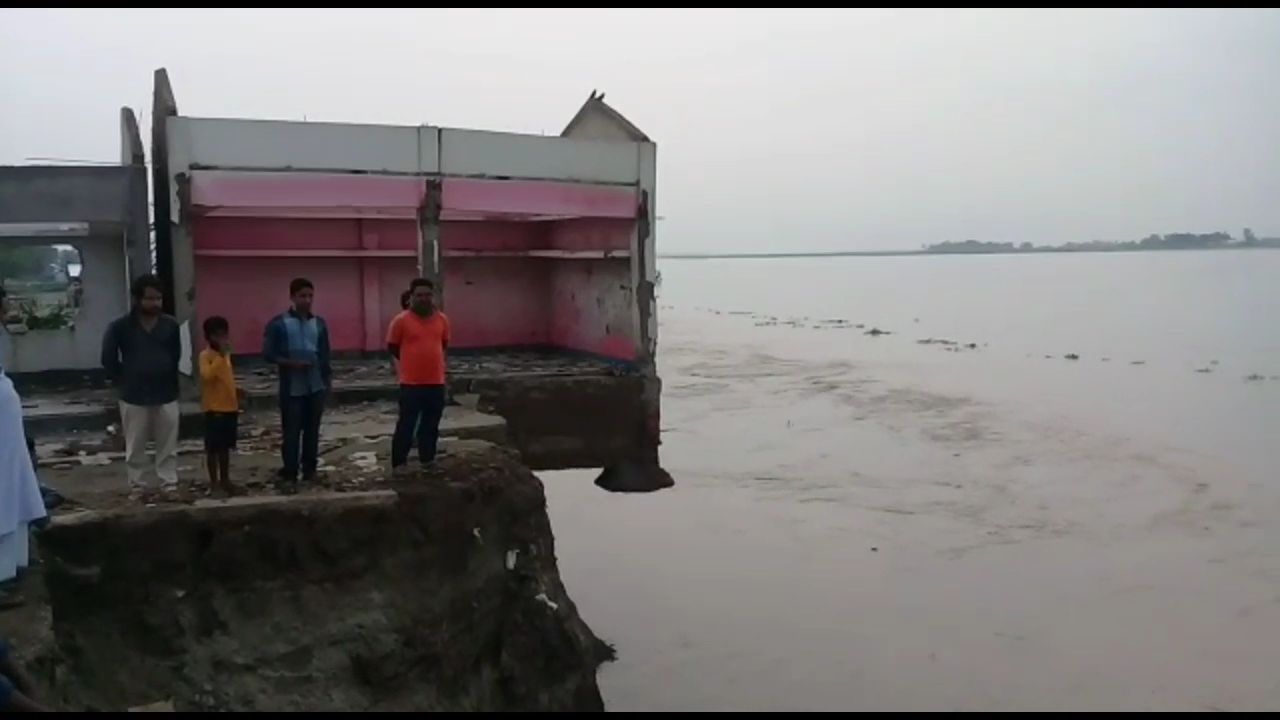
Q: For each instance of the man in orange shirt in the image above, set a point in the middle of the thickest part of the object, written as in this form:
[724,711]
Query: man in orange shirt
[418,339]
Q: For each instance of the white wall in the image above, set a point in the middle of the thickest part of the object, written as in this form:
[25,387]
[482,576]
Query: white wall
[648,270]
[278,145]
[492,154]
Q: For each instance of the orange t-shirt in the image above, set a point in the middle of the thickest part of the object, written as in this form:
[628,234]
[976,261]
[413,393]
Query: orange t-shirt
[217,383]
[422,342]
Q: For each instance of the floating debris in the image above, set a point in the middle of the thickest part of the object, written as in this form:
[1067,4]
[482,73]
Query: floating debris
[1255,377]
[1137,362]
[877,332]
[1106,359]
[1071,356]
[542,598]
[1204,370]
[937,341]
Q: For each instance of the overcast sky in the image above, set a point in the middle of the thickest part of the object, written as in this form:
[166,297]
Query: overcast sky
[776,130]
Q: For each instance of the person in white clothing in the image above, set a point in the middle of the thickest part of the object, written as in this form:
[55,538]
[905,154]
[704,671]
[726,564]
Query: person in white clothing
[20,501]
[140,352]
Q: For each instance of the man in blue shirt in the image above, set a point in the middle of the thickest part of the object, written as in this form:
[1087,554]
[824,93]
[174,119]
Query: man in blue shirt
[297,342]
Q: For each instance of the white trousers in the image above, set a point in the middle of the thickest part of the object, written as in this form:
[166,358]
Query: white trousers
[150,423]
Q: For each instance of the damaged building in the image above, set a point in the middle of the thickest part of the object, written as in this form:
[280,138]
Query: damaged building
[70,237]
[542,250]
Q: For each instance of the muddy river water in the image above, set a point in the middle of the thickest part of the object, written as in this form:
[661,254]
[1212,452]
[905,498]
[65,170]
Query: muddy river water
[874,522]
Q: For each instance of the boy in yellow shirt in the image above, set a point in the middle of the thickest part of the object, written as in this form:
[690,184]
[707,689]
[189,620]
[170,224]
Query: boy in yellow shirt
[221,402]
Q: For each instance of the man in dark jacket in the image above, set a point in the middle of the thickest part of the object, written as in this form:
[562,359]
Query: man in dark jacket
[140,352]
[297,342]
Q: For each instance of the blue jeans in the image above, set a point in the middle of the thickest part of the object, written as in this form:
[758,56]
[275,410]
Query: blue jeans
[421,407]
[300,421]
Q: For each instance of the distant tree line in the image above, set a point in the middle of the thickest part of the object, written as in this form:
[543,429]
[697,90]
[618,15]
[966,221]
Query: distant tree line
[1172,241]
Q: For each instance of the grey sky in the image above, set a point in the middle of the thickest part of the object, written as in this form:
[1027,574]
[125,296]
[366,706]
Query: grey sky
[777,130]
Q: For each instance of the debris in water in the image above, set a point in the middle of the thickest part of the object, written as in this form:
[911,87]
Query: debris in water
[877,332]
[1137,362]
[1106,359]
[875,549]
[542,598]
[1255,377]
[1071,356]
[1204,370]
[972,346]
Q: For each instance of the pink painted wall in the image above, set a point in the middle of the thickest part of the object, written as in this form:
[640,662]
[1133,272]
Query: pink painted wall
[245,261]
[462,197]
[591,234]
[357,294]
[512,301]
[267,194]
[591,308]
[490,235]
[591,300]
[250,294]
[497,302]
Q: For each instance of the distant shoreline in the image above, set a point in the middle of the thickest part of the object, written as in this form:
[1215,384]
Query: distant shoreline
[934,253]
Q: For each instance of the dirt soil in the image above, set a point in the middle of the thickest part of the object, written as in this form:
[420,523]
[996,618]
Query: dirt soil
[434,590]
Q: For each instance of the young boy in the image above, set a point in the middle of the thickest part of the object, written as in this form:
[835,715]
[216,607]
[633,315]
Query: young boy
[221,402]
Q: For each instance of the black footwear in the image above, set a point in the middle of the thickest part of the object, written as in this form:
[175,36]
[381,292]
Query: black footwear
[286,484]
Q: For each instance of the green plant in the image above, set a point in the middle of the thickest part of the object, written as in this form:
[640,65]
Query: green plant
[51,317]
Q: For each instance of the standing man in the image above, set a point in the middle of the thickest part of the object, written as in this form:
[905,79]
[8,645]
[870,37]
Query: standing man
[418,339]
[21,505]
[140,352]
[297,341]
